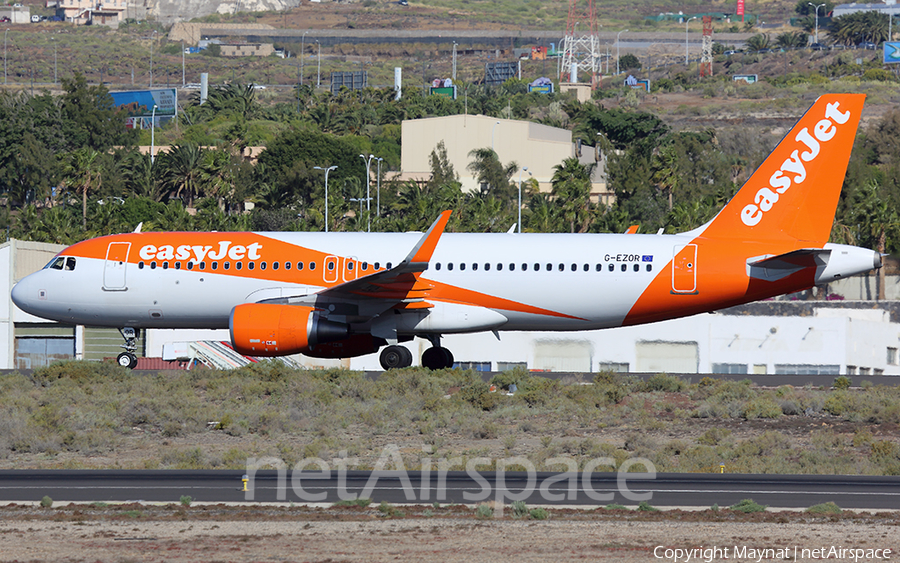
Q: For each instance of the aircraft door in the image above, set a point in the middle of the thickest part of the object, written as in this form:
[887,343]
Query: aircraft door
[331,271]
[350,267]
[684,269]
[115,266]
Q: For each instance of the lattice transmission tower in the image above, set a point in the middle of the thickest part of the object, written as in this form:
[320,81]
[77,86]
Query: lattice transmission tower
[706,56]
[581,47]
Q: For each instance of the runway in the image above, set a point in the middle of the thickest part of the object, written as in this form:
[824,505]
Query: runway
[554,489]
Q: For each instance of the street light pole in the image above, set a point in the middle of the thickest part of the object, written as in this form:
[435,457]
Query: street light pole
[182,63]
[817,18]
[302,54]
[4,56]
[525,169]
[54,61]
[617,50]
[378,189]
[318,65]
[368,182]
[151,58]
[496,123]
[686,22]
[327,170]
[152,133]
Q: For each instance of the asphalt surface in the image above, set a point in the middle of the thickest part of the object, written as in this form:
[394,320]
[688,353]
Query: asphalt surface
[600,489]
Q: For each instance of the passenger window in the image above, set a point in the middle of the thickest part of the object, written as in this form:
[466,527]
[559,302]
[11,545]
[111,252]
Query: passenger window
[331,264]
[549,267]
[57,264]
[377,265]
[388,265]
[637,267]
[274,265]
[238,265]
[474,266]
[190,265]
[587,267]
[287,265]
[251,265]
[262,265]
[365,266]
[70,263]
[487,266]
[140,265]
[624,267]
[226,265]
[562,267]
[349,266]
[437,266]
[462,265]
[299,265]
[213,265]
[166,266]
[312,265]
[500,266]
[574,267]
[537,267]
[450,265]
[177,265]
[612,267]
[202,265]
[152,265]
[649,267]
[599,267]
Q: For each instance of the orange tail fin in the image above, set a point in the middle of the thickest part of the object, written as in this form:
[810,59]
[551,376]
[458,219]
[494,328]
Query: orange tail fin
[794,193]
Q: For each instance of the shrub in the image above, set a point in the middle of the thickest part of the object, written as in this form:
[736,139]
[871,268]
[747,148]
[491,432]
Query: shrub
[46,502]
[539,514]
[747,506]
[713,436]
[484,512]
[388,509]
[645,506]
[186,500]
[842,382]
[824,508]
[762,407]
[519,509]
[614,506]
[664,382]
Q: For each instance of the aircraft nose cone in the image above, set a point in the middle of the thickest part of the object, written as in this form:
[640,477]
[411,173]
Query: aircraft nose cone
[25,295]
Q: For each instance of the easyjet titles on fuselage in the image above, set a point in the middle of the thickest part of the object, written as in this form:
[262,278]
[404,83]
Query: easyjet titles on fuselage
[823,131]
[198,253]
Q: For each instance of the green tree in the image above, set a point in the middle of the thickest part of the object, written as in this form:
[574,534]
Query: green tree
[90,119]
[490,173]
[83,171]
[181,172]
[572,189]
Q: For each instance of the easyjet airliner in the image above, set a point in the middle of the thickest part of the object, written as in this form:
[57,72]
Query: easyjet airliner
[341,295]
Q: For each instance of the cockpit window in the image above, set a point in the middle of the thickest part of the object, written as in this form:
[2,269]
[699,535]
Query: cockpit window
[56,263]
[70,263]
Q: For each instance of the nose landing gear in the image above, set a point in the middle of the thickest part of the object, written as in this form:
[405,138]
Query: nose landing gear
[127,358]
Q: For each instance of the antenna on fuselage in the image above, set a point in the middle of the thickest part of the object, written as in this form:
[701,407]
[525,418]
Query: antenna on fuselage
[138,228]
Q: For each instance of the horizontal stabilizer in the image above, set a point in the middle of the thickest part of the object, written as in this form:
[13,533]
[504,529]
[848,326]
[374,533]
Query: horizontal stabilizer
[773,268]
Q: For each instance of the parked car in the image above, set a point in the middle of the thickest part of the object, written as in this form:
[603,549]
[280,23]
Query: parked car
[4,19]
[818,47]
[866,45]
[35,18]
[763,51]
[729,53]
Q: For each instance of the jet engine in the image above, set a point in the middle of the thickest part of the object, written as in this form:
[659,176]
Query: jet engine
[260,329]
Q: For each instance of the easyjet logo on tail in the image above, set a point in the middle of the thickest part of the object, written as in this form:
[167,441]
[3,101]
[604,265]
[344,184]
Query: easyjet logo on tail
[199,252]
[780,182]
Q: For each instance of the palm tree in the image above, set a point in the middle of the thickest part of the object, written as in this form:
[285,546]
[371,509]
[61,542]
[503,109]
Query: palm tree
[758,41]
[572,189]
[83,170]
[181,171]
[667,174]
[490,173]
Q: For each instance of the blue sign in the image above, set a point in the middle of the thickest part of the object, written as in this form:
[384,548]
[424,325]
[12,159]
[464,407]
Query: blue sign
[891,52]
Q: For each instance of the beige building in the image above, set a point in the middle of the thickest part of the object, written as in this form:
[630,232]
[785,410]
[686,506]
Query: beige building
[532,145]
[247,49]
[95,12]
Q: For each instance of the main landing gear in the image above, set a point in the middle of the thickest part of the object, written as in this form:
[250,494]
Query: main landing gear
[127,359]
[436,357]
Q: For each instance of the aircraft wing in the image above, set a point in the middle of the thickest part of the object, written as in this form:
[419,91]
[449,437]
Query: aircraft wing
[772,268]
[400,284]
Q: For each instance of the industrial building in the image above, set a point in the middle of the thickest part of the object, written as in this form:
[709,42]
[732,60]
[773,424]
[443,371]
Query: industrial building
[530,145]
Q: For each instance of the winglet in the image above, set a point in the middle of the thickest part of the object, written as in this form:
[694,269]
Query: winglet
[632,230]
[422,251]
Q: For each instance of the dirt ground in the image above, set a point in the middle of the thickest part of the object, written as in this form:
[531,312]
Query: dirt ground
[367,536]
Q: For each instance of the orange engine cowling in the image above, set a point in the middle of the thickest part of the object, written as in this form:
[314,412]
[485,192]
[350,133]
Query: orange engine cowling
[259,329]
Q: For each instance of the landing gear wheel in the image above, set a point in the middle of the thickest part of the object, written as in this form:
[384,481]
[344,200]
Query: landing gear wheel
[437,357]
[394,357]
[127,360]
